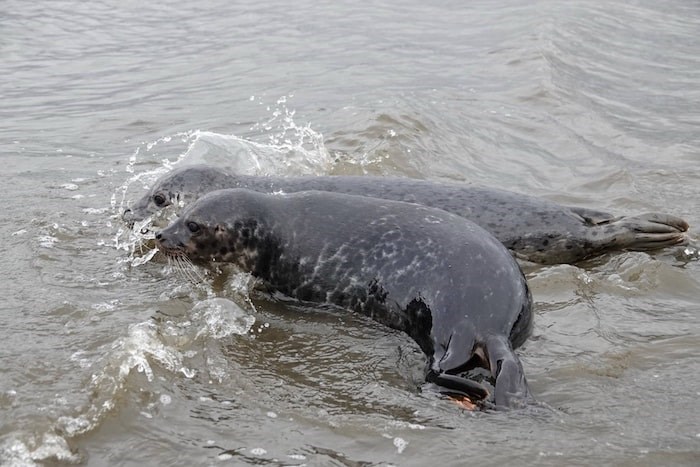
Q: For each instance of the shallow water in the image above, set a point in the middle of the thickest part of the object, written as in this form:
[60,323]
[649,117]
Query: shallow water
[107,362]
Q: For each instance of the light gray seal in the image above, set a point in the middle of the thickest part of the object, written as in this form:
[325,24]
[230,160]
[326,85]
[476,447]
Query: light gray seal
[441,279]
[533,229]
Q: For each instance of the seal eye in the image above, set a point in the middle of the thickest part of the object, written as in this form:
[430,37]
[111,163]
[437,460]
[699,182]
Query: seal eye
[193,227]
[159,199]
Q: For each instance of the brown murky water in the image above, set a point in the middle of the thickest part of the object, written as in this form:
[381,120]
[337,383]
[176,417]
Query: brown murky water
[107,362]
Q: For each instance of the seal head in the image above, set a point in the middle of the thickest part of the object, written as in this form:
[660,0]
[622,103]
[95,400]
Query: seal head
[177,188]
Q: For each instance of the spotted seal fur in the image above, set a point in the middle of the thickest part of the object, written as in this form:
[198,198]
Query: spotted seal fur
[441,279]
[533,229]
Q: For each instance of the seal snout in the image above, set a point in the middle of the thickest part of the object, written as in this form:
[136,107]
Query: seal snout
[169,246]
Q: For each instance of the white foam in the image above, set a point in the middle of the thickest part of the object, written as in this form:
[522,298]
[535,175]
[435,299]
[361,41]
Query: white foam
[400,444]
[95,210]
[47,241]
[50,446]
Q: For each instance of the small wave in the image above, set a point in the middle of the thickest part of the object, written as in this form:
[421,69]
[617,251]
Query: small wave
[171,345]
[136,351]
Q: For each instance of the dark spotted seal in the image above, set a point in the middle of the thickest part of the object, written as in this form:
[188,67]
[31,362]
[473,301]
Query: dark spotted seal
[533,229]
[443,280]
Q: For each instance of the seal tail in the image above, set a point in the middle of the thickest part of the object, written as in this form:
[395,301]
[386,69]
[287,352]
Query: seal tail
[646,232]
[511,389]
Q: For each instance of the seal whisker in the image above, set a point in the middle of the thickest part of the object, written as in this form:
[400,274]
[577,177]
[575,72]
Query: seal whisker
[187,269]
[182,265]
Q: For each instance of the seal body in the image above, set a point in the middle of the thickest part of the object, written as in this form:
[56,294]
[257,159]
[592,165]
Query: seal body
[533,229]
[441,279]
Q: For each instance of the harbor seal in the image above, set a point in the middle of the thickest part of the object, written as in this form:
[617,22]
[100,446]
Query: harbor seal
[441,279]
[533,229]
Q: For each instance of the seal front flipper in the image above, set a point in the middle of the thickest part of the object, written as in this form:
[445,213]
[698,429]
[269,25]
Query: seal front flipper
[511,390]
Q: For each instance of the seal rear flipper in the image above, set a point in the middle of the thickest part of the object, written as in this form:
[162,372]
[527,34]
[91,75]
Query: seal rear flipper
[648,231]
[511,389]
[458,354]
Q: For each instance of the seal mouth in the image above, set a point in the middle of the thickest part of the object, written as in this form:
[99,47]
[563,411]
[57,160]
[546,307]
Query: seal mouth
[171,251]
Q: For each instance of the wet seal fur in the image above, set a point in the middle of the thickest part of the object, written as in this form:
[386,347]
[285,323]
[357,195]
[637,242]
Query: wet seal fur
[533,229]
[441,279]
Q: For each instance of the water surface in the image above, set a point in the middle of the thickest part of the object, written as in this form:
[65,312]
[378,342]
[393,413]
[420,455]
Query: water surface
[107,362]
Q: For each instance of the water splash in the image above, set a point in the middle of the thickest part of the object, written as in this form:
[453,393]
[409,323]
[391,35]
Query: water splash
[287,149]
[147,152]
[221,318]
[187,346]
[691,253]
[141,347]
[172,346]
[282,147]
[306,155]
[37,450]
